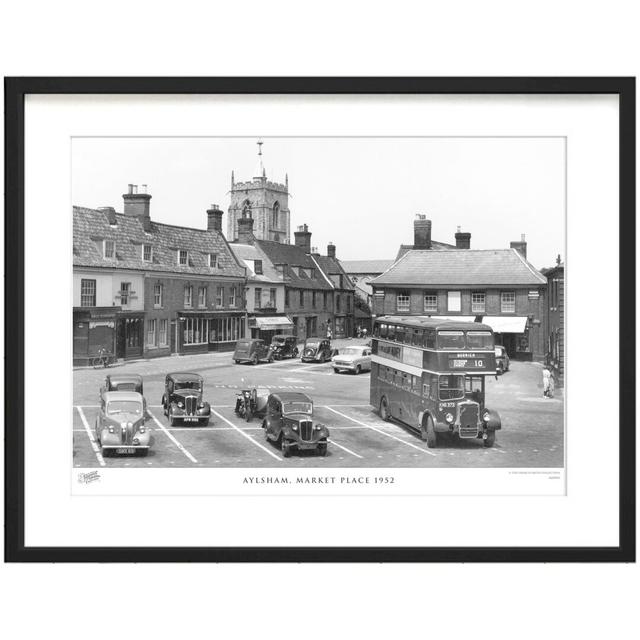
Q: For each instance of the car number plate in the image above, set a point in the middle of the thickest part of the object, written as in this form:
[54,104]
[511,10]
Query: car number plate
[125,450]
[191,419]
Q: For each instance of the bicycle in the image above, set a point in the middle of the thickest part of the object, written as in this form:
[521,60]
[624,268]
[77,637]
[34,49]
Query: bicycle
[102,359]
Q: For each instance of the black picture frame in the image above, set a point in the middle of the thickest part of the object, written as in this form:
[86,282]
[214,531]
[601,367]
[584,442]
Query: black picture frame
[15,91]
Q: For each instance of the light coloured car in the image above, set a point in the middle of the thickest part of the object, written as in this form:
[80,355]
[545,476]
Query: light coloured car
[356,358]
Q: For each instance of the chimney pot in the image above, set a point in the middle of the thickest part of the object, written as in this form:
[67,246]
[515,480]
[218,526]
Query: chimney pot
[331,250]
[520,247]
[303,238]
[130,188]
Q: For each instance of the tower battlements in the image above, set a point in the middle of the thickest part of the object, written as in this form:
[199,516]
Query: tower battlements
[260,183]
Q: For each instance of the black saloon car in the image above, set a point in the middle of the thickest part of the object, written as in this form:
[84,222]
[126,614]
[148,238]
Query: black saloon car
[289,423]
[182,399]
[252,350]
[317,350]
[284,347]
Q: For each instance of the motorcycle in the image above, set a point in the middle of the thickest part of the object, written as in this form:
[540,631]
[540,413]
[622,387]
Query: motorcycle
[251,402]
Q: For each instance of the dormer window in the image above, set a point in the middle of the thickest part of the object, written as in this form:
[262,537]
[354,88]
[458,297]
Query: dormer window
[109,249]
[213,260]
[147,253]
[257,267]
[183,257]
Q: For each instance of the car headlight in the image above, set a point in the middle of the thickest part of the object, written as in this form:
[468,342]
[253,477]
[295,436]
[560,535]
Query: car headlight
[142,429]
[111,430]
[180,404]
[486,417]
[448,417]
[129,425]
[317,427]
[295,427]
[201,405]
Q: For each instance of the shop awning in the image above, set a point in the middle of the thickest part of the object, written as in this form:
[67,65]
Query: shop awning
[506,324]
[277,323]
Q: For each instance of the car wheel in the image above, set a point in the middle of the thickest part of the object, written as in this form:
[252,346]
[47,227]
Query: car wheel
[106,453]
[490,440]
[142,453]
[358,369]
[237,361]
[254,359]
[173,421]
[384,410]
[429,435]
[284,447]
[295,353]
[322,449]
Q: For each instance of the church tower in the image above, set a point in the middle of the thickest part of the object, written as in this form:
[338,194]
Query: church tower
[264,201]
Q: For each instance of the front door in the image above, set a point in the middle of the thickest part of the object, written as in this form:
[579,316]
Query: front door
[130,337]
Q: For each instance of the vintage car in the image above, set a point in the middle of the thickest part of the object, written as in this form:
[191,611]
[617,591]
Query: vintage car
[122,382]
[120,424]
[502,359]
[289,423]
[252,350]
[317,350]
[182,399]
[284,347]
[355,358]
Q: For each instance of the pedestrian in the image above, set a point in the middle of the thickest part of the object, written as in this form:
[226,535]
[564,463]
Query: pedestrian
[552,384]
[546,382]
[364,333]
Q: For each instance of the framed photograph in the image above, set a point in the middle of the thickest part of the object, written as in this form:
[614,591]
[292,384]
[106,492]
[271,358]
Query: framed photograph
[320,319]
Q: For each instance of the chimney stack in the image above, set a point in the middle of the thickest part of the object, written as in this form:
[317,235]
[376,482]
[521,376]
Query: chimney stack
[303,238]
[245,230]
[463,239]
[520,247]
[138,205]
[421,232]
[214,218]
[331,250]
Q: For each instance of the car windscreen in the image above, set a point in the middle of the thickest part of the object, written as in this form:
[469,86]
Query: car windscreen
[313,345]
[350,351]
[451,340]
[479,340]
[187,385]
[278,341]
[116,407]
[451,387]
[297,407]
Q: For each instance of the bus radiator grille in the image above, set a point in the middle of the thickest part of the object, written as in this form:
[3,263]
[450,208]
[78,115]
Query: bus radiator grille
[469,420]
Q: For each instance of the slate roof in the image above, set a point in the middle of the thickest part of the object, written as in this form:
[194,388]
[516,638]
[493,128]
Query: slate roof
[332,267]
[294,256]
[247,254]
[435,246]
[91,227]
[365,266]
[461,268]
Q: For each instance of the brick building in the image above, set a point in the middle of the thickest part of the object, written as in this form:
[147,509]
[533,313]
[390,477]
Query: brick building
[498,287]
[555,320]
[145,289]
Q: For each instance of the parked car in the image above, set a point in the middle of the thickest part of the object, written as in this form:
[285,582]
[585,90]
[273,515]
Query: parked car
[289,422]
[355,358]
[122,382]
[252,350]
[182,399]
[284,347]
[317,350]
[502,360]
[120,424]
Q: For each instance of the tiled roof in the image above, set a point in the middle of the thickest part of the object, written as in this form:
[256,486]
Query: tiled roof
[294,256]
[247,254]
[435,246]
[91,227]
[365,266]
[461,267]
[332,266]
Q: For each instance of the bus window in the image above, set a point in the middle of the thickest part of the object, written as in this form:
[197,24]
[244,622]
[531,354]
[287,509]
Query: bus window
[416,338]
[451,340]
[451,387]
[400,334]
[391,332]
[415,384]
[383,330]
[479,340]
[473,383]
[429,339]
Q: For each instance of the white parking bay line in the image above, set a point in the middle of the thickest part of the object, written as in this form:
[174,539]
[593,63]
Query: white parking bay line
[94,444]
[344,448]
[246,435]
[415,446]
[170,436]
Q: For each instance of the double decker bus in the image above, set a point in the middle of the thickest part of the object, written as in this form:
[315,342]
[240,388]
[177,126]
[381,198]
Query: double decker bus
[429,374]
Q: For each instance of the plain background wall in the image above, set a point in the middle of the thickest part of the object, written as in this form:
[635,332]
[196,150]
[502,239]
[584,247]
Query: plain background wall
[374,38]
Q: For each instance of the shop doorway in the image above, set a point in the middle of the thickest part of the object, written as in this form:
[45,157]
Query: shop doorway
[129,337]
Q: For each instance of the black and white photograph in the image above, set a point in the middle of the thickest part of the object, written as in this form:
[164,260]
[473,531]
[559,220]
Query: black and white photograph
[318,302]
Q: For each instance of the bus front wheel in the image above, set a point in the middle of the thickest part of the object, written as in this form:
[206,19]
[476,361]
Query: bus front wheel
[429,434]
[384,410]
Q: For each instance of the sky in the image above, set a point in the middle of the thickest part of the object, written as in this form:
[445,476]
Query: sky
[362,194]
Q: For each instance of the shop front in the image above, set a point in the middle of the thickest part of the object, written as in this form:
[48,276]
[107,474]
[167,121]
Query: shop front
[513,333]
[203,332]
[94,331]
[129,334]
[267,327]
